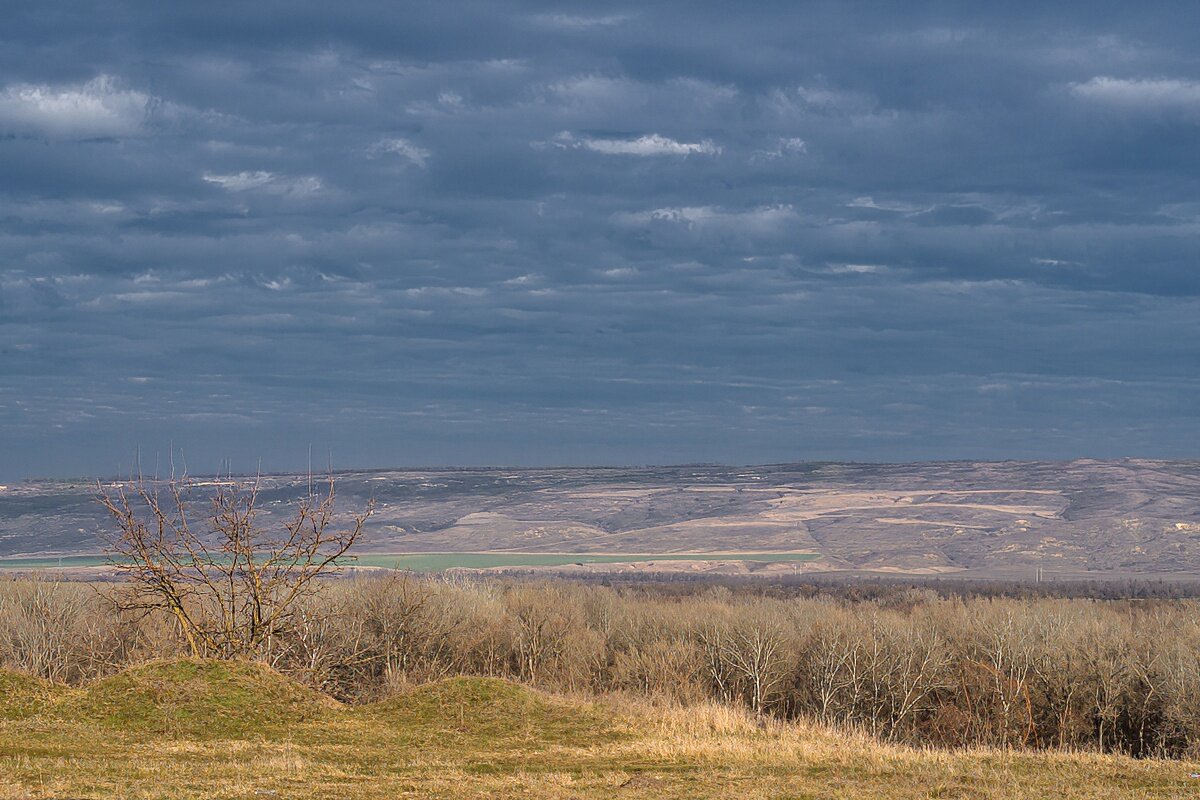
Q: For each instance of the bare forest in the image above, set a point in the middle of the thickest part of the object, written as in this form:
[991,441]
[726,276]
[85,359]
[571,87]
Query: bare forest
[907,665]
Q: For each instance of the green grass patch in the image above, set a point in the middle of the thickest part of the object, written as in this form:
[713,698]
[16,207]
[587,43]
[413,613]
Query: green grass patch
[201,699]
[53,562]
[23,696]
[434,562]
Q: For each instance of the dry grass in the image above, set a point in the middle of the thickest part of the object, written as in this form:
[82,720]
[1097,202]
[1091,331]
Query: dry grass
[489,738]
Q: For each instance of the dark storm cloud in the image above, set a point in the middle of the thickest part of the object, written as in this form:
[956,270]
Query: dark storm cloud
[498,232]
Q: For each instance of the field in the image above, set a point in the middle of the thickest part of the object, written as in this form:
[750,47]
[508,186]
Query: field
[435,562]
[53,562]
[185,729]
[428,562]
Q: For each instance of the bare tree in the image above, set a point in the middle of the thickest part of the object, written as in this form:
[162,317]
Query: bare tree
[747,656]
[229,585]
[59,631]
[544,619]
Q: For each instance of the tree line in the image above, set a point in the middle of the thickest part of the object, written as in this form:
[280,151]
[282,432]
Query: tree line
[909,665]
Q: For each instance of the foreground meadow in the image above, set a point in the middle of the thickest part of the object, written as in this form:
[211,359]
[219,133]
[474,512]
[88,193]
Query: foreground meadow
[189,728]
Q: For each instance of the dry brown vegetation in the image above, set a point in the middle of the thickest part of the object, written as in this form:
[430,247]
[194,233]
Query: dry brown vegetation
[1105,676]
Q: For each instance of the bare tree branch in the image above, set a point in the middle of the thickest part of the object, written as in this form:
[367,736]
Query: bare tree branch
[231,586]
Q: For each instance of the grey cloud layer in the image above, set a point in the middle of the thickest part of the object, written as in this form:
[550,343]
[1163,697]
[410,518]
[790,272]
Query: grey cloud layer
[532,234]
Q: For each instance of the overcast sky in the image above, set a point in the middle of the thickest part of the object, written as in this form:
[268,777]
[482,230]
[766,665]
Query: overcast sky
[519,233]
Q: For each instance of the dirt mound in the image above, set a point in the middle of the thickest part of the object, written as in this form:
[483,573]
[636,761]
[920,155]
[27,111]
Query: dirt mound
[202,698]
[23,696]
[492,712]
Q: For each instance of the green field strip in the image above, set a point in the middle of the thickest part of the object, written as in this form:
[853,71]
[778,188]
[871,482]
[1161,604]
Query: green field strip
[435,562]
[53,562]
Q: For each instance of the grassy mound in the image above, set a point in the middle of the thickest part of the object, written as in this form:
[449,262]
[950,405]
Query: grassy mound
[489,713]
[23,696]
[202,699]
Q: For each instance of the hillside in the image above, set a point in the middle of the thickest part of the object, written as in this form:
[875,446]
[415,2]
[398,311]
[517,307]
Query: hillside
[1008,519]
[189,729]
